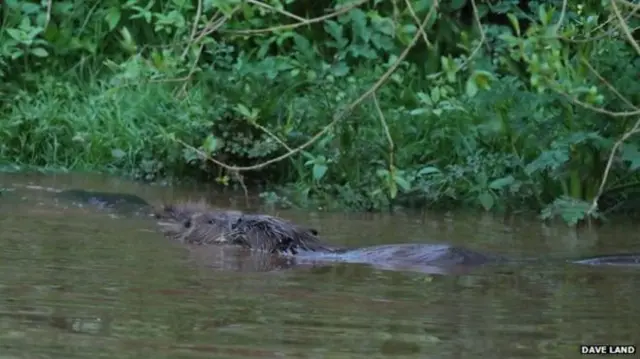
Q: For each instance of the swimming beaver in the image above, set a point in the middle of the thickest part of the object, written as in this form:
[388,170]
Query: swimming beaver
[196,223]
[122,203]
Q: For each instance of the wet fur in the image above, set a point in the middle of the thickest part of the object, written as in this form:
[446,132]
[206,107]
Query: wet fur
[275,235]
[197,223]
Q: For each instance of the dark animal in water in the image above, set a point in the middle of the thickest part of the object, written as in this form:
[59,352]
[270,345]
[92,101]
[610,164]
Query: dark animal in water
[123,203]
[195,223]
[198,224]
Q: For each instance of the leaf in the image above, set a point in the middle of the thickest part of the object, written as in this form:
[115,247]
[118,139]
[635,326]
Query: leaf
[457,4]
[303,46]
[631,154]
[41,21]
[417,112]
[542,14]
[471,88]
[478,80]
[118,153]
[424,98]
[30,8]
[382,172]
[422,5]
[243,110]
[127,41]
[340,69]
[310,158]
[319,170]
[483,79]
[486,200]
[449,67]
[334,30]
[580,137]
[435,94]
[385,26]
[39,52]
[482,10]
[514,23]
[393,190]
[428,170]
[403,183]
[548,160]
[359,24]
[501,183]
[569,209]
[15,34]
[112,17]
[248,12]
[210,144]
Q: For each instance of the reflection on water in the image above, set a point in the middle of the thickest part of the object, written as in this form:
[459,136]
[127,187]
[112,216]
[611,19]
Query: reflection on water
[78,283]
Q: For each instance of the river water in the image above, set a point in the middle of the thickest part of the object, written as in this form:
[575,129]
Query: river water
[77,282]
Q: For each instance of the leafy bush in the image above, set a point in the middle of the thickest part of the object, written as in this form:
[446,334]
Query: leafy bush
[338,104]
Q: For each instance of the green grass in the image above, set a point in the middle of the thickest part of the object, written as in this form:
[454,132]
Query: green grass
[99,127]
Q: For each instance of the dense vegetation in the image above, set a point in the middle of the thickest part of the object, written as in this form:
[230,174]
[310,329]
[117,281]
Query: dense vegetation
[505,105]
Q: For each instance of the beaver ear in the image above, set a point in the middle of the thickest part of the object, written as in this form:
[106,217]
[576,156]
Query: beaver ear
[313,231]
[236,223]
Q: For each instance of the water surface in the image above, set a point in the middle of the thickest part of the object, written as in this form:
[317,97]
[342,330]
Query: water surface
[77,282]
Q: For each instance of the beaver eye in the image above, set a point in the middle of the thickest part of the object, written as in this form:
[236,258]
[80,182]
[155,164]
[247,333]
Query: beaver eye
[211,221]
[187,224]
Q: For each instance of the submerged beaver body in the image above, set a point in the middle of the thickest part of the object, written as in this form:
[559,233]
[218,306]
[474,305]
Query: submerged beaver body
[197,224]
[122,203]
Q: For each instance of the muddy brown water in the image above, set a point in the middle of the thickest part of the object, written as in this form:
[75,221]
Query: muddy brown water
[76,282]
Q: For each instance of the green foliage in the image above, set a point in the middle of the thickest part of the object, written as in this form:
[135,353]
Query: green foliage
[517,113]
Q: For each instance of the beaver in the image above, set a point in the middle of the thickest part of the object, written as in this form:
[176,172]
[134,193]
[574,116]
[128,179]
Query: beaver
[122,203]
[198,224]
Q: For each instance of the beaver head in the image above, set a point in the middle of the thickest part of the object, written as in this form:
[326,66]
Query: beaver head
[180,212]
[199,224]
[195,223]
